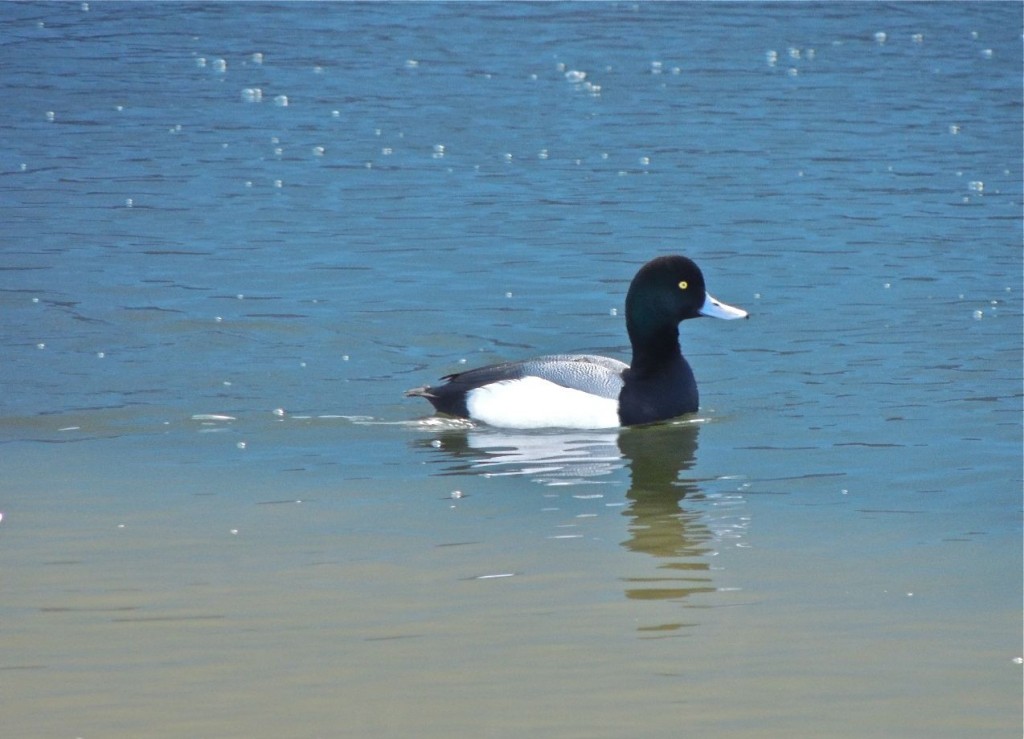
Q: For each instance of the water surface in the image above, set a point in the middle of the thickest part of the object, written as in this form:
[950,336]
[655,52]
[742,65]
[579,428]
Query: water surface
[235,233]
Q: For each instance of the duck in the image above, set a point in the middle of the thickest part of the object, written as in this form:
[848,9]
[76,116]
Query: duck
[588,391]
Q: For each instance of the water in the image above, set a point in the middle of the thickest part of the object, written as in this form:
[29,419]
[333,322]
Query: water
[234,234]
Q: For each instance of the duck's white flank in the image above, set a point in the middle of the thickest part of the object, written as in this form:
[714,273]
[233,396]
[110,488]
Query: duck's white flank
[532,402]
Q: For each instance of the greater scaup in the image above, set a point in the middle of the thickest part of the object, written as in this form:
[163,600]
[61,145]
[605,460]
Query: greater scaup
[589,391]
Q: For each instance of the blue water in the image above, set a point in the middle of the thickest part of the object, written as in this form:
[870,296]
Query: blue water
[234,234]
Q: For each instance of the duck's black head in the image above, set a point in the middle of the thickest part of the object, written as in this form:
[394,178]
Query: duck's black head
[666,291]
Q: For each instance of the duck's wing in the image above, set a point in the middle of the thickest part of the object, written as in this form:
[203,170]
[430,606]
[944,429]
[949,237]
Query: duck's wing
[588,373]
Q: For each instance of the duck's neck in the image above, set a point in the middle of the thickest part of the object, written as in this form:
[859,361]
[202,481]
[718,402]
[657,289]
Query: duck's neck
[655,345]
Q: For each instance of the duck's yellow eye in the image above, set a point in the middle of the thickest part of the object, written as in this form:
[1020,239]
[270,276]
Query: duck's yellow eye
[683,285]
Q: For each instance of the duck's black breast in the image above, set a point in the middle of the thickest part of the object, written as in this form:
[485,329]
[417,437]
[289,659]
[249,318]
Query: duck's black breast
[667,392]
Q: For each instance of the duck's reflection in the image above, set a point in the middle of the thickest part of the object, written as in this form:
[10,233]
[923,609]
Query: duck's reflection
[659,525]
[570,458]
[657,458]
